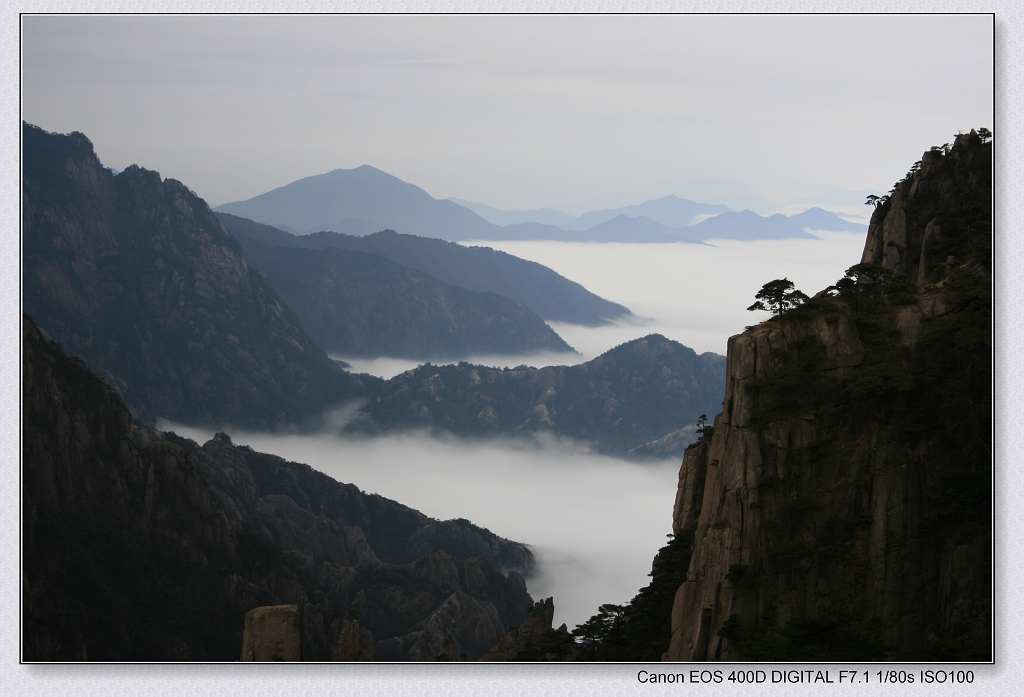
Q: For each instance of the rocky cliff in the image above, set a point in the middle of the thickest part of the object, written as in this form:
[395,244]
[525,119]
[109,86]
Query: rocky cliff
[136,275]
[841,508]
[140,545]
[361,304]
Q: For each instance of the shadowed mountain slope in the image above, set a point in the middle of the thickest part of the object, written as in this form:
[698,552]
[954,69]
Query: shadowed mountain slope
[361,304]
[481,269]
[619,402]
[137,276]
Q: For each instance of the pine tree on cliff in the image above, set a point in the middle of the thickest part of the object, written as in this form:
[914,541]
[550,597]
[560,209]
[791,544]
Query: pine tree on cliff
[778,296]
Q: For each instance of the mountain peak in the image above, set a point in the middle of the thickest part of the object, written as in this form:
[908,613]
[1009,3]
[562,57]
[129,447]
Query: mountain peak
[646,343]
[363,170]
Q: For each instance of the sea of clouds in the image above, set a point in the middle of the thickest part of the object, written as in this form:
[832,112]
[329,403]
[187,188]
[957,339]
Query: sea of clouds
[593,521]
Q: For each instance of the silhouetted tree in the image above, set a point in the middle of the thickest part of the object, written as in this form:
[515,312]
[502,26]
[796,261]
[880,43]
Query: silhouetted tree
[702,426]
[868,275]
[870,280]
[872,200]
[984,134]
[778,296]
[595,630]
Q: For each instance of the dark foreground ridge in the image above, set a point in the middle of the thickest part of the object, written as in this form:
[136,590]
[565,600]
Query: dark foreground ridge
[141,545]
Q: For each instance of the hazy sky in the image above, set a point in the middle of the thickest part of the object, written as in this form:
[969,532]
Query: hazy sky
[573,112]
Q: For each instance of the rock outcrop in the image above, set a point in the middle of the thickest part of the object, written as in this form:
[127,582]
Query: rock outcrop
[535,639]
[841,508]
[141,545]
[135,274]
[271,633]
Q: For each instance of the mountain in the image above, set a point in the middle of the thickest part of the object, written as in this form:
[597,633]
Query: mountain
[365,200]
[731,225]
[848,203]
[669,211]
[819,219]
[137,276]
[359,201]
[624,228]
[548,294]
[841,507]
[618,402]
[143,546]
[362,304]
[747,225]
[498,216]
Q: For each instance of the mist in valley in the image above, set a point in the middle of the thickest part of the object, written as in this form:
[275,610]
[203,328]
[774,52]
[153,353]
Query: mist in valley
[696,294]
[593,522]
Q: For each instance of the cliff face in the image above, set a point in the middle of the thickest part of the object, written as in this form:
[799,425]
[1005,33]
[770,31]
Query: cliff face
[141,545]
[137,276]
[841,507]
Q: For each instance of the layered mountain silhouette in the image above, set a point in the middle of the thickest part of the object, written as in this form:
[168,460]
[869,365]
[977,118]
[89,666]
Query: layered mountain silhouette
[671,211]
[135,275]
[365,200]
[498,216]
[360,304]
[548,294]
[748,225]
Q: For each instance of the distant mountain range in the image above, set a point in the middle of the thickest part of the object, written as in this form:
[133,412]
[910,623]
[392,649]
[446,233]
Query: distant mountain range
[364,200]
[548,294]
[670,211]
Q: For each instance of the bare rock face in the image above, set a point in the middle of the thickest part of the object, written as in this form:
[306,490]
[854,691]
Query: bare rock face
[841,509]
[535,639]
[461,627]
[354,643]
[905,235]
[272,634]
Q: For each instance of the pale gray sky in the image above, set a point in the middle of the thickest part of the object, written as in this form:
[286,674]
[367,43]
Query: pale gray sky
[572,112]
